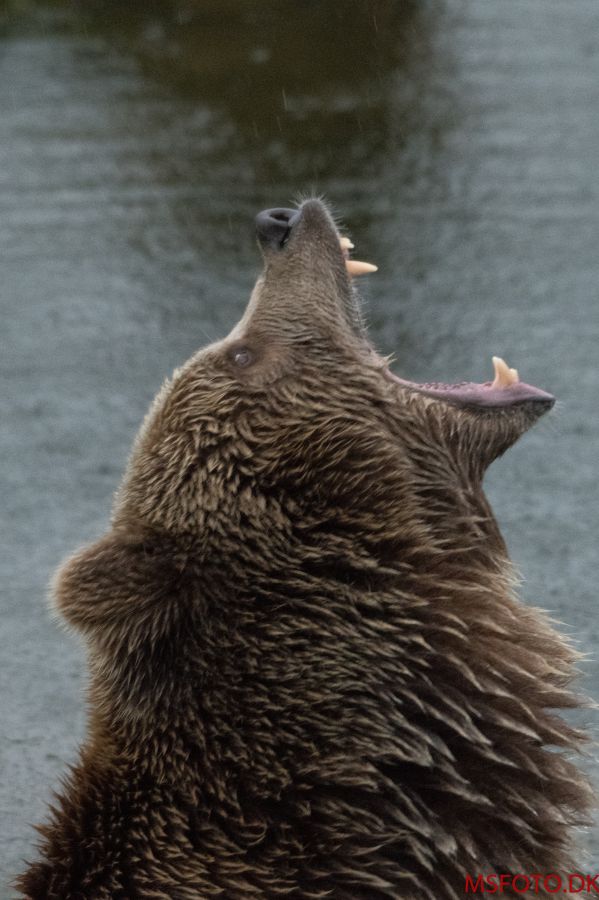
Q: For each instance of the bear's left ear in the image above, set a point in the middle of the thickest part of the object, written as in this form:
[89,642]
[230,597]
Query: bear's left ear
[121,582]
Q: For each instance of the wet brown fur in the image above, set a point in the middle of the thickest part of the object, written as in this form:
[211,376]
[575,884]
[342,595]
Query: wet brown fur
[309,673]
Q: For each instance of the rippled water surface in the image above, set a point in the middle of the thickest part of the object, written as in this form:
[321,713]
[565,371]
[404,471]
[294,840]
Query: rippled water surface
[459,140]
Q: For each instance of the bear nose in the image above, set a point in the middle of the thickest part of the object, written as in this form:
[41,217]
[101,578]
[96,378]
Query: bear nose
[273,226]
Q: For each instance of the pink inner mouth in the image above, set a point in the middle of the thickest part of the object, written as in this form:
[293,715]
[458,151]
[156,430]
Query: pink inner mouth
[470,393]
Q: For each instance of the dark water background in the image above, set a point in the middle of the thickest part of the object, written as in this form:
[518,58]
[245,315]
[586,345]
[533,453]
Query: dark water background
[460,142]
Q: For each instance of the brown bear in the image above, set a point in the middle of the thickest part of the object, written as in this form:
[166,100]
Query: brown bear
[310,675]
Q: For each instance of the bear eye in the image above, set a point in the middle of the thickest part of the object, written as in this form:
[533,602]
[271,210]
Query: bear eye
[242,357]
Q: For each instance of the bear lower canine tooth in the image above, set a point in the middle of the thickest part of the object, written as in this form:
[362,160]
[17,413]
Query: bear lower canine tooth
[504,376]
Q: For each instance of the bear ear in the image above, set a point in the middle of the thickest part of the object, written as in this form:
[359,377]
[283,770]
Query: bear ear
[117,582]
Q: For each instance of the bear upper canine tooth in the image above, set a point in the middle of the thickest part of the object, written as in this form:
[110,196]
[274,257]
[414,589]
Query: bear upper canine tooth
[355,267]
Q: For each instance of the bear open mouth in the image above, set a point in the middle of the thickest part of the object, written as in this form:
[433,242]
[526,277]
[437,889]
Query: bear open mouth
[505,390]
[276,229]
